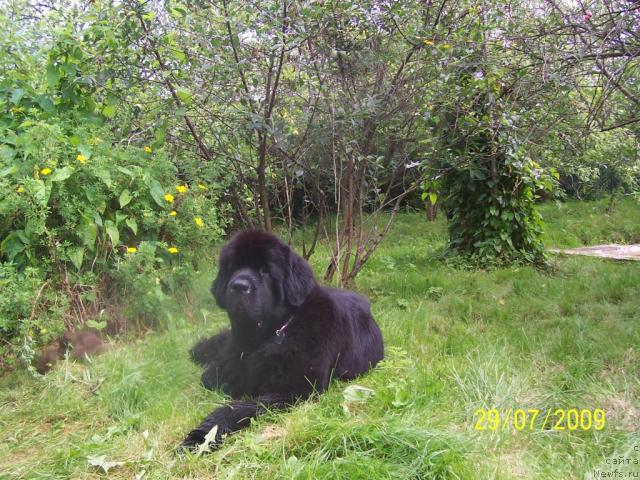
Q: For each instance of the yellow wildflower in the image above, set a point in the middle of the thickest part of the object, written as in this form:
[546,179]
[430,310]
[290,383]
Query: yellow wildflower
[446,46]
[132,249]
[181,188]
[81,158]
[45,171]
[169,198]
[428,42]
[20,189]
[202,186]
[147,149]
[199,222]
[173,213]
[172,250]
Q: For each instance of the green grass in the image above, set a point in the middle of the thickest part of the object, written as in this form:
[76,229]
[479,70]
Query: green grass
[457,340]
[577,224]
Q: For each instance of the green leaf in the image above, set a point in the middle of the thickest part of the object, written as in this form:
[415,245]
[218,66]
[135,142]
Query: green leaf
[132,224]
[109,111]
[120,217]
[403,303]
[184,95]
[11,246]
[41,192]
[161,134]
[126,171]
[61,174]
[433,197]
[95,324]
[125,198]
[88,232]
[76,255]
[69,69]
[157,192]
[35,226]
[46,104]
[85,150]
[17,95]
[104,175]
[112,231]
[8,171]
[403,397]
[53,76]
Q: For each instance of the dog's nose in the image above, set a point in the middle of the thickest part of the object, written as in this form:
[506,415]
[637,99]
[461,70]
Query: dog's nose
[240,285]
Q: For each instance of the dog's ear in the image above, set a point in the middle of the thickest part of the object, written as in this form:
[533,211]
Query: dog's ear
[220,283]
[298,280]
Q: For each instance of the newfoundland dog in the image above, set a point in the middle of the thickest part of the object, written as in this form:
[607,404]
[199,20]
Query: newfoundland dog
[288,337]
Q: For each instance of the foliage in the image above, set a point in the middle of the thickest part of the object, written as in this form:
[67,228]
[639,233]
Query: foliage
[493,216]
[606,163]
[289,114]
[78,207]
[478,155]
[82,222]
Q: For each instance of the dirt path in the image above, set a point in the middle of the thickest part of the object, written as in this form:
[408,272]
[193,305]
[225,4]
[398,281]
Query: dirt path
[617,252]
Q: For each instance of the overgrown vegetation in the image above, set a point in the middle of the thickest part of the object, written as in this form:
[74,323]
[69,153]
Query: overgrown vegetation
[135,135]
[457,340]
[86,223]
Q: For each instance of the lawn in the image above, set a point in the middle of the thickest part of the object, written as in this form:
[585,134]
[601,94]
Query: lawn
[457,340]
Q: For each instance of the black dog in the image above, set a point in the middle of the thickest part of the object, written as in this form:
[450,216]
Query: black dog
[288,335]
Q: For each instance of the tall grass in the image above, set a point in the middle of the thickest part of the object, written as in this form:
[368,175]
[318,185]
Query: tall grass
[457,340]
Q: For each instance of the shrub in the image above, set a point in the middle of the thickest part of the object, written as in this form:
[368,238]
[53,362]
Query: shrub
[82,219]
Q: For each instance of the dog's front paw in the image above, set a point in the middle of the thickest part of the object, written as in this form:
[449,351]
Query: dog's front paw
[200,440]
[210,378]
[191,442]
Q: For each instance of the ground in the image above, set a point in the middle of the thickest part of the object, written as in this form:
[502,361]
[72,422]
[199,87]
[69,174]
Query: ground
[459,341]
[616,252]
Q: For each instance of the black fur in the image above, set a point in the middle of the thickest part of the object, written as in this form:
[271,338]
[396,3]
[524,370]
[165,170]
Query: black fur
[265,286]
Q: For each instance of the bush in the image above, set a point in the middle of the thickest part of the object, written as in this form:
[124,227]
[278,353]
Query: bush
[608,164]
[83,219]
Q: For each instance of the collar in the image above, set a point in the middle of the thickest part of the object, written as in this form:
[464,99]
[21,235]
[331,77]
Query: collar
[280,332]
[279,336]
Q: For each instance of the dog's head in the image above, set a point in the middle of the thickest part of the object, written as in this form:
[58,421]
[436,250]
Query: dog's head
[260,283]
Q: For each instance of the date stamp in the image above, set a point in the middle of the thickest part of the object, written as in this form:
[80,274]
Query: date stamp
[521,419]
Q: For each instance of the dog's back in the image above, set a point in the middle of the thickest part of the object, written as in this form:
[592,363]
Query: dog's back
[362,347]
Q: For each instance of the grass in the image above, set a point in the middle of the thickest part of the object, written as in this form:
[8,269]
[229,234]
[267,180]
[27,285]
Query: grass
[577,224]
[457,340]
